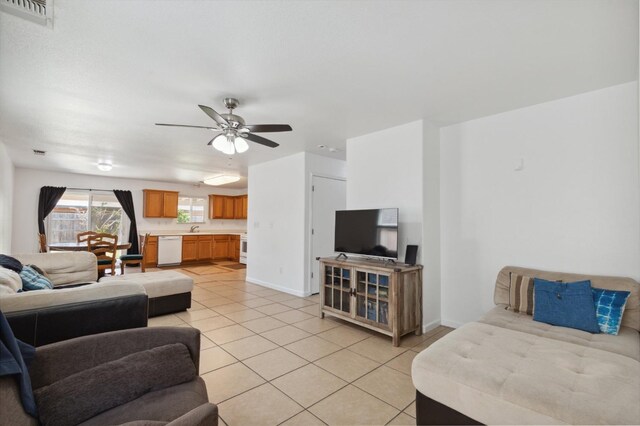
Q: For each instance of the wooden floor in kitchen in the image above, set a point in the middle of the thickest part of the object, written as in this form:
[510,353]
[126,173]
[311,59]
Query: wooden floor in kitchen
[268,359]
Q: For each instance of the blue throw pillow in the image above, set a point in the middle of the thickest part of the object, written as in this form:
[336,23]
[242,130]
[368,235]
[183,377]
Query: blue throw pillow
[609,306]
[565,304]
[31,280]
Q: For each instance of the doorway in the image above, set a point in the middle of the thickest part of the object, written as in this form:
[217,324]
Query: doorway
[327,195]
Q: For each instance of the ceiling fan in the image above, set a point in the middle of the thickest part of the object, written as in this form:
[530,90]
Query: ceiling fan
[234,131]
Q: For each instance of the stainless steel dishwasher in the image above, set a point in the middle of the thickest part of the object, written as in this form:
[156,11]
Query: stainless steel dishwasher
[169,250]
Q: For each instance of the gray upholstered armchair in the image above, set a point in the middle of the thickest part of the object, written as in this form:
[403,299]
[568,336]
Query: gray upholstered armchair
[145,375]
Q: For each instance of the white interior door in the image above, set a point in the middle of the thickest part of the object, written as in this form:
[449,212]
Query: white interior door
[327,196]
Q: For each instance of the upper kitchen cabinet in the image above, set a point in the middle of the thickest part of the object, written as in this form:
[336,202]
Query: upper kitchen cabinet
[158,203]
[241,205]
[229,211]
[228,207]
[216,206]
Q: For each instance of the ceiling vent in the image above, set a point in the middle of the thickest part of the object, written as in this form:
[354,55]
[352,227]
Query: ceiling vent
[38,11]
[38,152]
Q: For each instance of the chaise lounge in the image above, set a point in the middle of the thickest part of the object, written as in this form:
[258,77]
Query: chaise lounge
[506,368]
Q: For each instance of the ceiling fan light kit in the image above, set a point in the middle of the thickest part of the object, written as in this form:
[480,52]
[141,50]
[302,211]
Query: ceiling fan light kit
[235,132]
[221,180]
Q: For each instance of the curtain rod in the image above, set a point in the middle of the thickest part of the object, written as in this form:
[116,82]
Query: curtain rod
[89,189]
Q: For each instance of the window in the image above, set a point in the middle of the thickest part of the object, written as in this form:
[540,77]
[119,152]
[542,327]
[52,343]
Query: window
[191,209]
[79,211]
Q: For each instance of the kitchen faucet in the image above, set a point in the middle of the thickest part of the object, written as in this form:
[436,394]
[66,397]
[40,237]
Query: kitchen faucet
[193,228]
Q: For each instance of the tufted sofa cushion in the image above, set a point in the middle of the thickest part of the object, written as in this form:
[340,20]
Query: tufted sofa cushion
[626,343]
[497,375]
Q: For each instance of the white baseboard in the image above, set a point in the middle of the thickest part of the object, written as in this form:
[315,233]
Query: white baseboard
[430,325]
[452,324]
[277,287]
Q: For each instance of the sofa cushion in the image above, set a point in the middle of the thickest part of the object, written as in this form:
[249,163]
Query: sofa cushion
[626,343]
[631,317]
[79,397]
[48,298]
[10,281]
[500,376]
[163,405]
[32,280]
[10,263]
[64,267]
[157,284]
[565,304]
[609,308]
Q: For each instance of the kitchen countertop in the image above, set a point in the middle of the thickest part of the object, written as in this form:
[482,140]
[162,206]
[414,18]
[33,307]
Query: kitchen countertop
[203,232]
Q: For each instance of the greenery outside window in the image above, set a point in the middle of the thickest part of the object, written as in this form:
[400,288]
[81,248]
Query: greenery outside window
[79,211]
[192,209]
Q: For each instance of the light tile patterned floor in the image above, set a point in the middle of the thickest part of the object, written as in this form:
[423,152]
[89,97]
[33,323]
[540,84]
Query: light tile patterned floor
[268,359]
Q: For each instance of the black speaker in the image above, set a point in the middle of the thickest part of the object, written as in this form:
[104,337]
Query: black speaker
[410,255]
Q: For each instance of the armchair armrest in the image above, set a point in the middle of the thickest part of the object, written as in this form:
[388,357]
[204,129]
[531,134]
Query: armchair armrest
[59,360]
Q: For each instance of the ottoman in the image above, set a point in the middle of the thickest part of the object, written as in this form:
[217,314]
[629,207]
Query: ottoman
[168,291]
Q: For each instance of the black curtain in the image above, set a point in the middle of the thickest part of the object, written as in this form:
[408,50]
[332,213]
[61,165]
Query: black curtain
[49,197]
[126,201]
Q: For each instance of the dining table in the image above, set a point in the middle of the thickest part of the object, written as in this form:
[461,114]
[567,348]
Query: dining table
[81,246]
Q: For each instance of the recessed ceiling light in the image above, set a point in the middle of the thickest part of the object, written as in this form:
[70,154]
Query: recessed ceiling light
[322,146]
[221,180]
[39,152]
[105,167]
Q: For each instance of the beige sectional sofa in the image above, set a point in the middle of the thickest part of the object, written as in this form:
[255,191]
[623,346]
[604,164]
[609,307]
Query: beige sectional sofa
[508,369]
[70,310]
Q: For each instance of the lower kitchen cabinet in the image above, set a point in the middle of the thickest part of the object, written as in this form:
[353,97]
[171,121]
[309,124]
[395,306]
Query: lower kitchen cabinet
[189,248]
[221,247]
[151,255]
[234,248]
[196,247]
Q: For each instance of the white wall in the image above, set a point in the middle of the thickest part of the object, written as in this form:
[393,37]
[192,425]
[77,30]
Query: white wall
[574,207]
[431,225]
[276,223]
[7,171]
[384,169]
[399,167]
[279,230]
[27,184]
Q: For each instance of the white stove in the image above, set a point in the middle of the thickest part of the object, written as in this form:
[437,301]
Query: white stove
[243,248]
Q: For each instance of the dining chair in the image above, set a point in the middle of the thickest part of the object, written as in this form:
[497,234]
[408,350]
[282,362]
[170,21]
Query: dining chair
[42,240]
[104,246]
[133,259]
[84,236]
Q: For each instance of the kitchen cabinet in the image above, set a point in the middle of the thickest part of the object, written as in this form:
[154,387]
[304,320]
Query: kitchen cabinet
[189,248]
[151,255]
[221,247]
[228,207]
[197,247]
[205,247]
[241,204]
[234,248]
[386,298]
[216,206]
[158,203]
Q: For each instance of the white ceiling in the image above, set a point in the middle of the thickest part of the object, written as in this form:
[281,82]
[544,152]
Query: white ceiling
[92,87]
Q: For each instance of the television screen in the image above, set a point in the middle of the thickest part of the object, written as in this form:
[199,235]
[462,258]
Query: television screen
[367,232]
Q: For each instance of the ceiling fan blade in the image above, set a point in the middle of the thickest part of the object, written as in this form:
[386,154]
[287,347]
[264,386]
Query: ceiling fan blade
[260,140]
[217,117]
[187,125]
[211,141]
[259,128]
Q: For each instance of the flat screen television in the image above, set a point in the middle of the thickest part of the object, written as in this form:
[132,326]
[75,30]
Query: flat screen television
[372,232]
